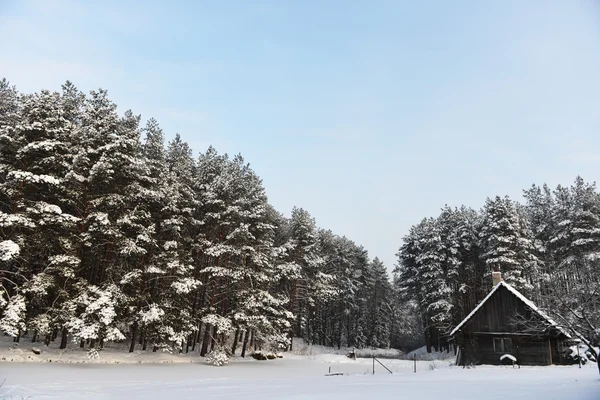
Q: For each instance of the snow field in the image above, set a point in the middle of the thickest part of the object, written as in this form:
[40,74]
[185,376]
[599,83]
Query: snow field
[296,377]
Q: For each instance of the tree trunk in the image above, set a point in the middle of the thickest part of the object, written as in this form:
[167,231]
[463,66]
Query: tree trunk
[235,341]
[47,340]
[64,338]
[189,342]
[134,329]
[205,339]
[81,343]
[245,343]
[142,336]
[213,338]
[34,337]
[145,342]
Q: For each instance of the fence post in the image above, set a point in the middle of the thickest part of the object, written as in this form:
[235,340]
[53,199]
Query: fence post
[415,359]
[373,365]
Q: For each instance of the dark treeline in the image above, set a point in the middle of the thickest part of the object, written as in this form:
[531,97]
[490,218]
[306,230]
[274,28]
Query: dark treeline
[107,233]
[548,247]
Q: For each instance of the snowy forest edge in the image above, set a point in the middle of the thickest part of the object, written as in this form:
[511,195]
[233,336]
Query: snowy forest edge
[107,233]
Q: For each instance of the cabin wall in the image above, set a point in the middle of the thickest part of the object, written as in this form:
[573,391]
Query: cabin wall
[480,349]
[558,349]
[534,352]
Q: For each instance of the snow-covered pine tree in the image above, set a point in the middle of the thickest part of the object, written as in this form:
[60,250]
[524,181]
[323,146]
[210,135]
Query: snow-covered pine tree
[469,286]
[505,243]
[436,295]
[453,256]
[380,306]
[148,283]
[287,271]
[423,276]
[574,249]
[586,228]
[109,180]
[343,320]
[36,223]
[538,209]
[407,279]
[237,239]
[183,228]
[95,137]
[315,285]
[10,105]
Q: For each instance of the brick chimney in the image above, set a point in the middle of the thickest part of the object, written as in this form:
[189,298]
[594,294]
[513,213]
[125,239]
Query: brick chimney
[496,276]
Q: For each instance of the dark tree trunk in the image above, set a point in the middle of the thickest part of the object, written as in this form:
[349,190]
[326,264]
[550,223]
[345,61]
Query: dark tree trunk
[54,334]
[189,343]
[81,343]
[134,329]
[92,343]
[205,339]
[235,341]
[142,336]
[47,340]
[245,343]
[145,343]
[64,338]
[213,338]
[34,337]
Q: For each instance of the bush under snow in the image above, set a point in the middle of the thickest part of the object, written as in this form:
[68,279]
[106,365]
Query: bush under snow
[218,357]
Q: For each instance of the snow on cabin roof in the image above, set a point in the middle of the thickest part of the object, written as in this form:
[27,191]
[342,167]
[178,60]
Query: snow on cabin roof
[524,299]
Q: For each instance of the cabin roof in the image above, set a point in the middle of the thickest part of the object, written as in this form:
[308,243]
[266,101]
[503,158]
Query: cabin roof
[520,296]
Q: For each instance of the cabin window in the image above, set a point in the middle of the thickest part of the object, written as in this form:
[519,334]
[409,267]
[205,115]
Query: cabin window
[503,345]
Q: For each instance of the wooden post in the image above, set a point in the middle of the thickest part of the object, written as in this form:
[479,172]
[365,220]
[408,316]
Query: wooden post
[373,365]
[578,356]
[550,350]
[415,361]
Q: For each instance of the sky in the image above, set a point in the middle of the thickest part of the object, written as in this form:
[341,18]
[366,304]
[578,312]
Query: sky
[371,115]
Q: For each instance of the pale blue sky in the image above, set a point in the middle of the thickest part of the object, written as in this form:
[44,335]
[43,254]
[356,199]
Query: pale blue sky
[369,114]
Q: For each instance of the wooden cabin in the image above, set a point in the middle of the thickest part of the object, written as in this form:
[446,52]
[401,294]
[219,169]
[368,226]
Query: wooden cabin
[506,322]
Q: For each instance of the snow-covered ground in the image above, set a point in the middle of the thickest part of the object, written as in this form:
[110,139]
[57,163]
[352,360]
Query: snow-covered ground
[295,377]
[117,353]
